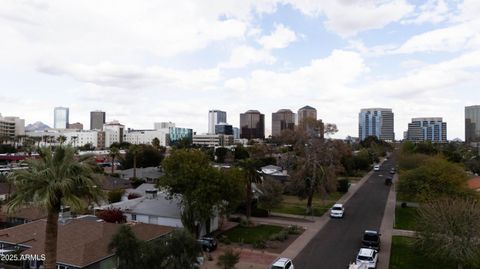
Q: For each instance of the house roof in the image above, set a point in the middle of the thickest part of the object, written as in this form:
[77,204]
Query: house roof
[80,242]
[29,213]
[474,183]
[112,183]
[159,206]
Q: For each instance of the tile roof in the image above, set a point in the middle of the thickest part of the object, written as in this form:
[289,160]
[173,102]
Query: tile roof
[80,242]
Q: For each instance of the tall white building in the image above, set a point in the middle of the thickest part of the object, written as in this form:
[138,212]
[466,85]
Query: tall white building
[60,117]
[11,126]
[114,133]
[215,117]
[377,122]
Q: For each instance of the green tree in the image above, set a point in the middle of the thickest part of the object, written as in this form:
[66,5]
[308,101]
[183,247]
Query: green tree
[56,179]
[435,178]
[182,250]
[127,248]
[115,196]
[220,154]
[189,176]
[271,196]
[114,153]
[229,259]
[156,143]
[449,230]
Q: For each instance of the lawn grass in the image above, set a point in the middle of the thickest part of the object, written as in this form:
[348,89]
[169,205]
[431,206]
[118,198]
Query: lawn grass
[405,218]
[293,205]
[250,235]
[405,256]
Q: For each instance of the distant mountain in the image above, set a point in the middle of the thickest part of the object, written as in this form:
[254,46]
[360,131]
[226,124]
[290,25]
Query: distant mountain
[37,126]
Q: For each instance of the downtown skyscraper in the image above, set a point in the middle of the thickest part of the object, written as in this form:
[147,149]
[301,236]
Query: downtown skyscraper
[377,122]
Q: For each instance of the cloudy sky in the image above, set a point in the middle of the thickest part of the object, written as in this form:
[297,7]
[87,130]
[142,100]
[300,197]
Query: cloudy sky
[149,61]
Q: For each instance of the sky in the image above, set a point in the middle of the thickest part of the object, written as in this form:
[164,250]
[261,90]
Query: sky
[151,61]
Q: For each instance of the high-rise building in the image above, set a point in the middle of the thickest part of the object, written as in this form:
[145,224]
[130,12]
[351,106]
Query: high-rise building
[60,118]
[281,120]
[224,128]
[97,120]
[376,122]
[215,117]
[236,133]
[472,124]
[114,133]
[11,126]
[427,129]
[306,112]
[252,125]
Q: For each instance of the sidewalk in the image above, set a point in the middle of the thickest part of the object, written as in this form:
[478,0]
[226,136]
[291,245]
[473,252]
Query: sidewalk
[386,228]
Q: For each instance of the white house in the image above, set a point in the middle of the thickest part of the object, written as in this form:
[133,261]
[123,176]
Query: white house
[155,208]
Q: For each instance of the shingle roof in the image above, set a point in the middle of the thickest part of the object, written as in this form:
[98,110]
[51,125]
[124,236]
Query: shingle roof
[80,242]
[28,213]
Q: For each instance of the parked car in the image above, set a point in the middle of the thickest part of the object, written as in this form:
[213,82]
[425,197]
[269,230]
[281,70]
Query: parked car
[282,263]
[367,256]
[371,239]
[208,243]
[376,167]
[337,211]
[392,170]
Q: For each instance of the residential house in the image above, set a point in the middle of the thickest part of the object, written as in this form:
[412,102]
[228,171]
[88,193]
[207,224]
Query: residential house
[82,243]
[274,172]
[154,207]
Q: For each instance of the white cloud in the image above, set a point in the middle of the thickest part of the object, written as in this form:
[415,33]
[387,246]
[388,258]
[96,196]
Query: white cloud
[278,39]
[450,39]
[432,78]
[321,78]
[244,55]
[433,11]
[349,17]
[134,77]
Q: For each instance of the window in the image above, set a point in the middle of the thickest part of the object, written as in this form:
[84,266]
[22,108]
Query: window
[287,266]
[134,217]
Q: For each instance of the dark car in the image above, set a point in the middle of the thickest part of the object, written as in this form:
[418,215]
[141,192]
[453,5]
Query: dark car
[208,244]
[371,239]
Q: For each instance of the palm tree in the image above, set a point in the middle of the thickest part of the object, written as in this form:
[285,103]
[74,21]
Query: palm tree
[135,150]
[113,153]
[56,179]
[61,139]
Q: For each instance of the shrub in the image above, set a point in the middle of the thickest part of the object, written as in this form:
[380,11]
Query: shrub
[133,195]
[260,244]
[112,215]
[115,195]
[293,229]
[280,236]
[228,259]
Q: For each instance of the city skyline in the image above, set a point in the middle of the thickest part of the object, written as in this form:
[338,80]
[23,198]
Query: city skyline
[421,60]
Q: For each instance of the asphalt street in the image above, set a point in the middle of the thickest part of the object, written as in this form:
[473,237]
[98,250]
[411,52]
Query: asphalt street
[337,244]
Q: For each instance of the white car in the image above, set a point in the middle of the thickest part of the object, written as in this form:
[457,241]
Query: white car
[368,257]
[337,211]
[282,263]
[376,167]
